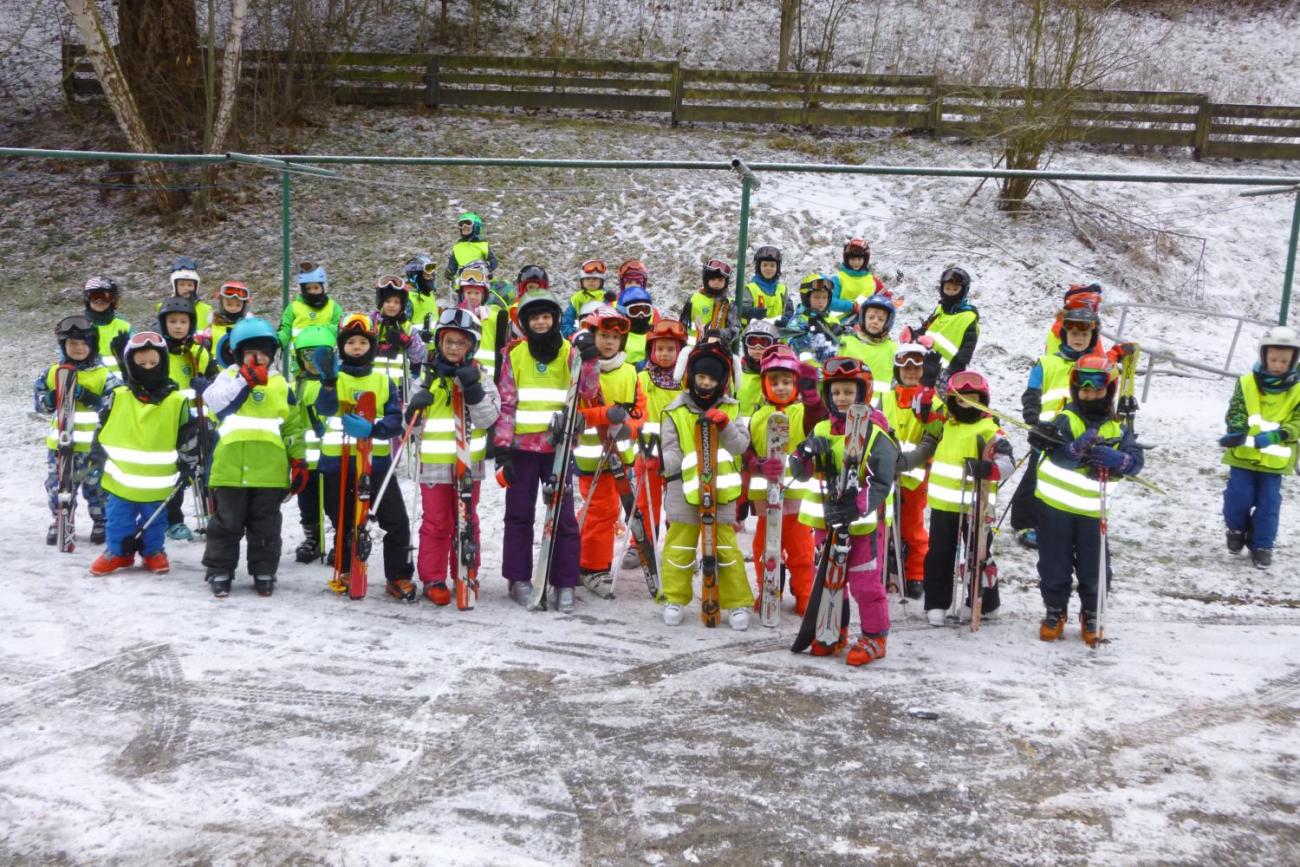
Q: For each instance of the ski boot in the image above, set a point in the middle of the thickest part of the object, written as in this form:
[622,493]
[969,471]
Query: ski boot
[157,563]
[914,589]
[1053,625]
[1028,538]
[564,600]
[521,592]
[437,592]
[180,533]
[937,616]
[1261,557]
[1091,637]
[866,650]
[52,534]
[97,531]
[308,549]
[632,560]
[401,589]
[598,581]
[264,585]
[672,614]
[738,619]
[221,584]
[1236,541]
[820,648]
[107,563]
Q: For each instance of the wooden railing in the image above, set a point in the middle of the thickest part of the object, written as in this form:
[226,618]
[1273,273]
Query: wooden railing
[906,102]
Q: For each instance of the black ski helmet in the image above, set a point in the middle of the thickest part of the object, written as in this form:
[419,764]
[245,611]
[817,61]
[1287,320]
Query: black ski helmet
[77,327]
[768,254]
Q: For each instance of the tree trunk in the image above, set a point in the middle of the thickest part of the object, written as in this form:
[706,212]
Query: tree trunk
[443,36]
[229,75]
[159,51]
[789,13]
[85,16]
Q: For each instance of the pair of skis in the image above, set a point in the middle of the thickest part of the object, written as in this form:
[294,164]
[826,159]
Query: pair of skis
[827,617]
[973,571]
[466,540]
[564,429]
[706,446]
[778,437]
[65,414]
[355,580]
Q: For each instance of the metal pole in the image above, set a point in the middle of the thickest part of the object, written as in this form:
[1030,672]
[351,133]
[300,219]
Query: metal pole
[1290,262]
[285,252]
[747,180]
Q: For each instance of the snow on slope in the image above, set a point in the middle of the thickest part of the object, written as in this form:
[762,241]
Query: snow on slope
[148,723]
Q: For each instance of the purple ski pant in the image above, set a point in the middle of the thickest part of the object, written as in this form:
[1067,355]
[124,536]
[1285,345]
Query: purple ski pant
[531,468]
[865,581]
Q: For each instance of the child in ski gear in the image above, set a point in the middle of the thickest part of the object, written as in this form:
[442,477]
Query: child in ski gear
[709,310]
[632,272]
[661,386]
[474,294]
[759,336]
[232,306]
[469,246]
[534,384]
[1263,422]
[708,373]
[956,451]
[847,381]
[1083,446]
[185,284]
[451,368]
[870,340]
[145,442]
[339,392]
[531,278]
[818,330]
[313,306]
[1076,296]
[78,340]
[612,420]
[401,351]
[191,367]
[592,276]
[635,303]
[781,376]
[420,272]
[768,297]
[951,331]
[912,411]
[260,456]
[101,296]
[853,280]
[317,355]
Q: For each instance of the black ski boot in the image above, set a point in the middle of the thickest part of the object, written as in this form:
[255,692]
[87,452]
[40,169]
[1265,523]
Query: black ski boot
[1261,557]
[309,549]
[97,531]
[52,534]
[914,589]
[221,584]
[264,584]
[1236,541]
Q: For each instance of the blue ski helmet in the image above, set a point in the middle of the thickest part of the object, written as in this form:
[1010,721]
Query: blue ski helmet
[252,332]
[309,273]
[880,301]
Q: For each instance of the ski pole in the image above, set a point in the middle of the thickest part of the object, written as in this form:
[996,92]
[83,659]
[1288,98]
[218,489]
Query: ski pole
[136,542]
[392,464]
[1103,475]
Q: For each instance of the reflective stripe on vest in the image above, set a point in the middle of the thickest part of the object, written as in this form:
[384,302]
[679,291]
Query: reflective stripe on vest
[1073,490]
[541,393]
[948,330]
[794,489]
[948,469]
[1056,385]
[438,442]
[139,441]
[812,511]
[351,387]
[84,419]
[1266,412]
[616,386]
[726,473]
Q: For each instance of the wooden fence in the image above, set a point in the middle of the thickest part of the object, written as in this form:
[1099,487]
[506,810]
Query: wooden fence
[919,103]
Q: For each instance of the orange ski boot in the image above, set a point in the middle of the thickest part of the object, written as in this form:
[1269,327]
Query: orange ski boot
[402,589]
[822,649]
[1053,625]
[866,649]
[437,592]
[157,563]
[106,563]
[1091,637]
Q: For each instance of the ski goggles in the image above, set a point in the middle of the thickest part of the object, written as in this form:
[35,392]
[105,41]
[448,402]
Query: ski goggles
[147,340]
[390,282]
[843,364]
[669,329]
[720,266]
[755,340]
[640,310]
[99,296]
[913,360]
[594,268]
[233,290]
[1097,379]
[356,323]
[615,324]
[1076,325]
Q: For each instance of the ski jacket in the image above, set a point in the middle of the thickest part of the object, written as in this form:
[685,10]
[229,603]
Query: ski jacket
[955,334]
[877,470]
[951,490]
[438,440]
[259,430]
[769,297]
[1254,410]
[849,286]
[335,401]
[532,392]
[1068,484]
[681,460]
[138,444]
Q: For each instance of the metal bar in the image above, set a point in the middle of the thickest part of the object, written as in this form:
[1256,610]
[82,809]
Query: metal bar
[285,191]
[1123,317]
[276,163]
[1214,314]
[747,180]
[1232,347]
[1146,382]
[123,156]
[1290,263]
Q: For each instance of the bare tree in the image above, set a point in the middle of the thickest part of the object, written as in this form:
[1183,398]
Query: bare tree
[158,46]
[230,64]
[789,14]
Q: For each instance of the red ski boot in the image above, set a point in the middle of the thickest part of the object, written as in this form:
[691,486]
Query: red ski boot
[866,650]
[107,563]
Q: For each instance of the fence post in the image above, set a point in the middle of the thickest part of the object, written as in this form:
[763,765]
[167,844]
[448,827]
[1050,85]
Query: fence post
[1202,138]
[285,252]
[675,98]
[1289,276]
[431,82]
[936,108]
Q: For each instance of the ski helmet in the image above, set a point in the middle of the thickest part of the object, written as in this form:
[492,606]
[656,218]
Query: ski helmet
[77,327]
[388,287]
[1094,370]
[531,274]
[716,268]
[607,318]
[759,331]
[778,357]
[636,296]
[857,247]
[632,272]
[768,254]
[255,332]
[458,319]
[474,278]
[846,368]
[475,222]
[958,276]
[967,382]
[714,360]
[177,304]
[352,325]
[1079,295]
[878,301]
[666,329]
[593,269]
[420,271]
[909,355]
[810,284]
[537,301]
[102,284]
[185,268]
[151,379]
[309,272]
[1281,336]
[311,338]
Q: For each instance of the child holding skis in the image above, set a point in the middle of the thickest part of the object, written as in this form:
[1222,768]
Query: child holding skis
[1263,422]
[340,390]
[191,367]
[789,389]
[870,340]
[474,293]
[401,351]
[451,371]
[1084,447]
[661,385]
[101,296]
[861,509]
[91,382]
[145,438]
[534,384]
[956,451]
[592,276]
[709,311]
[704,401]
[259,458]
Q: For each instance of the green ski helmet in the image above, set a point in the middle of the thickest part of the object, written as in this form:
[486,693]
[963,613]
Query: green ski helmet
[475,221]
[308,340]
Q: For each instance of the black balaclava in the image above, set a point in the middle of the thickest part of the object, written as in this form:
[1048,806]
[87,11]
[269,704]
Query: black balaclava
[965,413]
[713,367]
[150,385]
[545,346]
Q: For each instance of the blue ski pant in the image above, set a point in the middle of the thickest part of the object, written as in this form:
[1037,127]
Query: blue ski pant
[124,519]
[1252,503]
[531,469]
[81,469]
[1069,547]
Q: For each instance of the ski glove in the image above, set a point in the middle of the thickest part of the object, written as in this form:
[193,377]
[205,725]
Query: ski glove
[1127,405]
[1044,436]
[921,404]
[718,417]
[1269,438]
[980,469]
[771,469]
[299,476]
[471,382]
[930,369]
[118,344]
[1232,440]
[1078,448]
[585,343]
[808,382]
[357,427]
[615,415]
[505,471]
[253,374]
[1112,459]
[420,401]
[200,384]
[326,361]
[841,511]
[814,446]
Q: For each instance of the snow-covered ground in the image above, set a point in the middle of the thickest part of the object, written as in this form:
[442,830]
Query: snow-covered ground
[148,723]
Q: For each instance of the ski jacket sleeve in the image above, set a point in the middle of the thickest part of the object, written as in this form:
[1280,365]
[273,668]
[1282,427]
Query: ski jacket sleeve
[1129,446]
[508,401]
[389,425]
[449,272]
[1237,419]
[42,398]
[1031,402]
[484,414]
[882,470]
[285,331]
[735,436]
[812,414]
[226,393]
[416,352]
[1003,457]
[569,321]
[918,456]
[839,304]
[1060,454]
[671,449]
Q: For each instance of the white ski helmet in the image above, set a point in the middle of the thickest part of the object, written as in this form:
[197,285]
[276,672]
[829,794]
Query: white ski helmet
[1281,336]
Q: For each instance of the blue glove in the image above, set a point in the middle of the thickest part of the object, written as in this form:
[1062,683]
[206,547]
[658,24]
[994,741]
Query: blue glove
[1078,449]
[1232,440]
[357,427]
[1112,459]
[1269,438]
[199,384]
[326,362]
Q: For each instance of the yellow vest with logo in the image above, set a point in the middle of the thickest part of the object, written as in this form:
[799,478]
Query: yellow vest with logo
[616,386]
[470,251]
[702,310]
[773,305]
[948,468]
[84,417]
[542,387]
[726,473]
[350,387]
[657,401]
[812,511]
[438,443]
[948,330]
[1266,412]
[251,451]
[139,442]
[1072,490]
[879,358]
[1056,385]
[794,489]
[856,286]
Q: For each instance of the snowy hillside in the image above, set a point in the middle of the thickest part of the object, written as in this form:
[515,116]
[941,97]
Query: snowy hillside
[148,723]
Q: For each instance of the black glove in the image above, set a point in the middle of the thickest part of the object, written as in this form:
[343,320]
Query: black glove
[1127,405]
[979,469]
[585,343]
[930,369]
[421,400]
[118,344]
[1044,436]
[815,447]
[506,475]
[471,382]
[840,511]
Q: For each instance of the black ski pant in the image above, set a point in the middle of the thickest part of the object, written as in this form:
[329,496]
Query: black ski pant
[1068,546]
[176,505]
[309,511]
[390,512]
[946,531]
[1024,505]
[252,513]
